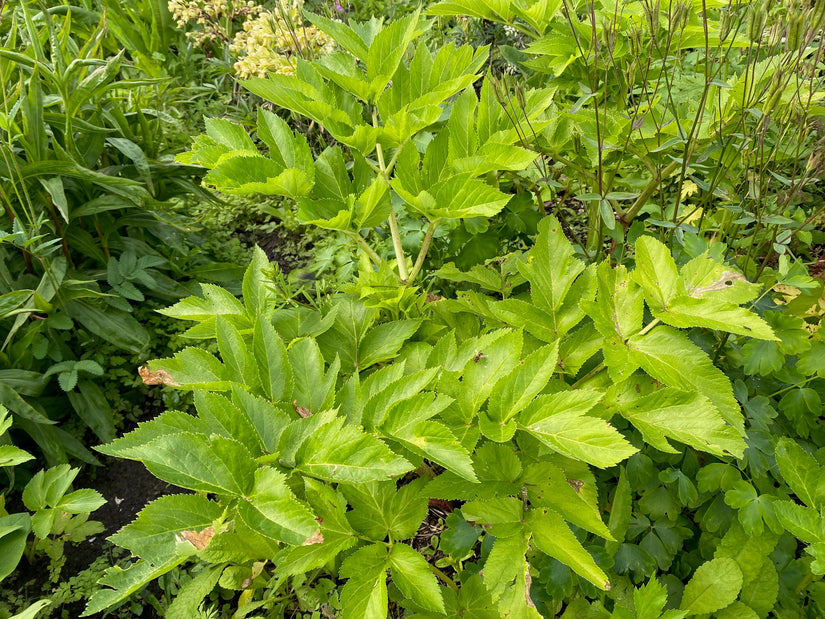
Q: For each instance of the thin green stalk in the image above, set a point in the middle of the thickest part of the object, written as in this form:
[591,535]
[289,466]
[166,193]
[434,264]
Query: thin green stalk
[425,246]
[400,257]
[364,245]
[443,577]
[651,188]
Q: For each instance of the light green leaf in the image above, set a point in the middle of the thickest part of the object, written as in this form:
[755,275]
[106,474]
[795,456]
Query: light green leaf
[273,364]
[655,272]
[152,534]
[197,462]
[686,417]
[220,416]
[671,358]
[14,529]
[337,453]
[548,486]
[551,269]
[554,538]
[801,472]
[802,522]
[119,584]
[384,341]
[413,576]
[559,421]
[189,597]
[12,456]
[229,134]
[714,585]
[686,312]
[364,596]
[513,392]
[272,510]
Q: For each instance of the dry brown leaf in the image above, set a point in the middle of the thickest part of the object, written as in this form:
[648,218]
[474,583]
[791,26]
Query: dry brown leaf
[576,484]
[317,538]
[301,410]
[198,540]
[158,377]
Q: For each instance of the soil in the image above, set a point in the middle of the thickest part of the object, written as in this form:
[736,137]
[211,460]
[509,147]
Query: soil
[288,248]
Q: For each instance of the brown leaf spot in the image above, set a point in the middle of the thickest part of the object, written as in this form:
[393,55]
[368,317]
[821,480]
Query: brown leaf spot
[158,377]
[528,582]
[725,280]
[576,484]
[198,540]
[432,298]
[301,410]
[316,538]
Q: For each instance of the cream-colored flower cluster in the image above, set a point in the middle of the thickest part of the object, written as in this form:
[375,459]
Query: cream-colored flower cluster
[273,40]
[215,20]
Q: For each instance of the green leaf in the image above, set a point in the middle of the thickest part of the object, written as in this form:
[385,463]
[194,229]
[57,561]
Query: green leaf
[801,472]
[14,529]
[364,596]
[119,584]
[671,358]
[411,573]
[714,585]
[92,407]
[12,456]
[197,462]
[338,452]
[190,596]
[272,510]
[513,392]
[235,354]
[343,35]
[655,272]
[222,417]
[686,312]
[152,535]
[686,417]
[314,389]
[114,326]
[559,421]
[762,592]
[802,522]
[554,538]
[379,509]
[244,174]
[548,486]
[229,134]
[383,342]
[273,364]
[387,49]
[737,610]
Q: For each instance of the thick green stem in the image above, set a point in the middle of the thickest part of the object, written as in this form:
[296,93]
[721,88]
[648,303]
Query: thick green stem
[399,251]
[425,246]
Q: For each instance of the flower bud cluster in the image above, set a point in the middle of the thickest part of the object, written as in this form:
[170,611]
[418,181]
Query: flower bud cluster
[273,40]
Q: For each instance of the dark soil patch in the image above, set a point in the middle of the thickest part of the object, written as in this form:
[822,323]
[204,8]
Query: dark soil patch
[288,248]
[127,487]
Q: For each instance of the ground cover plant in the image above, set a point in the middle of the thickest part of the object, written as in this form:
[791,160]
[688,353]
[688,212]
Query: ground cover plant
[329,432]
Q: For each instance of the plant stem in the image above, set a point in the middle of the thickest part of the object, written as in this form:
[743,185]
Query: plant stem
[425,246]
[399,251]
[650,326]
[649,191]
[446,579]
[400,258]
[588,376]
[365,246]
